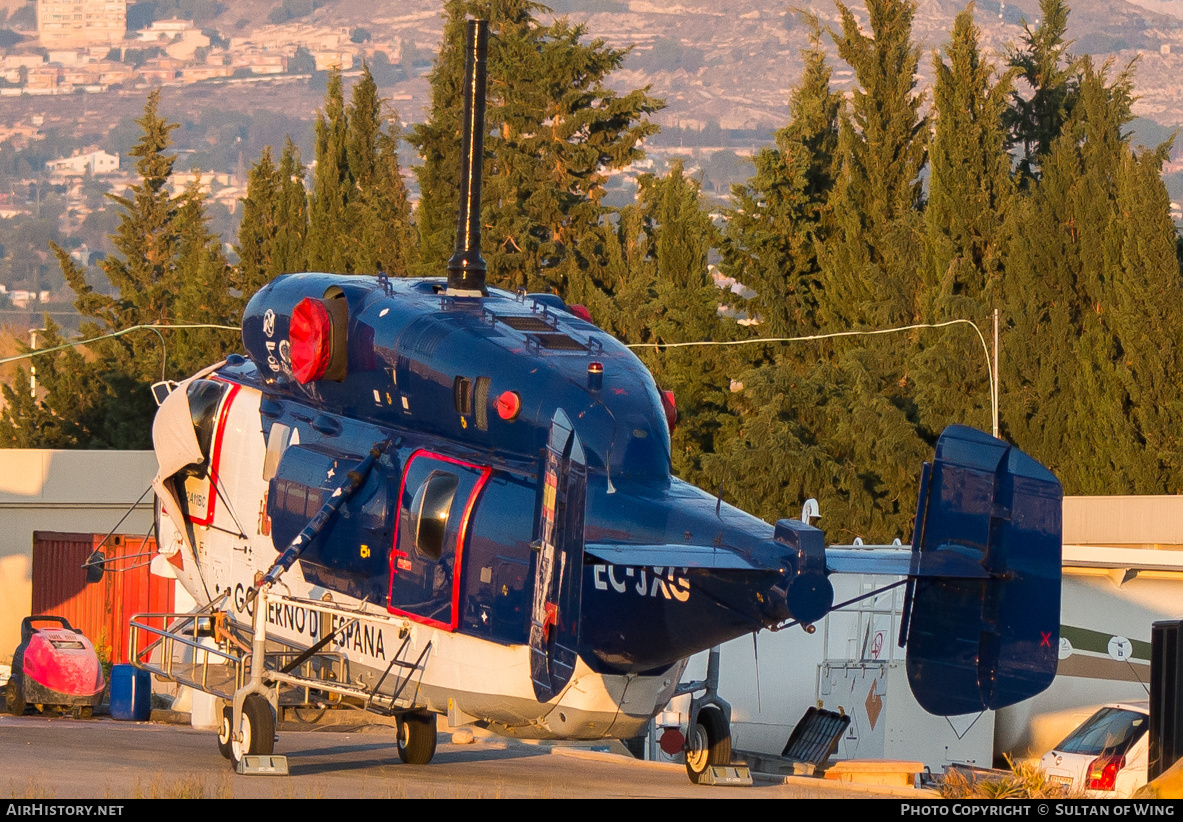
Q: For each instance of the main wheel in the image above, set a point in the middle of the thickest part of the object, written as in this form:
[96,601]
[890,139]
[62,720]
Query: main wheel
[14,698]
[416,737]
[708,743]
[256,732]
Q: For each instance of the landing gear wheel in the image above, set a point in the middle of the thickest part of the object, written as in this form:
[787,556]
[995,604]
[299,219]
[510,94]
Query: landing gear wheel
[707,744]
[224,731]
[14,699]
[416,737]
[257,731]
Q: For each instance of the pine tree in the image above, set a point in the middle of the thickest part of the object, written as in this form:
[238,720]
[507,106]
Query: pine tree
[1051,77]
[169,271]
[554,132]
[69,404]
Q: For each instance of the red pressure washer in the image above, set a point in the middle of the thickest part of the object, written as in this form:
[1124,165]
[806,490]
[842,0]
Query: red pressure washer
[54,669]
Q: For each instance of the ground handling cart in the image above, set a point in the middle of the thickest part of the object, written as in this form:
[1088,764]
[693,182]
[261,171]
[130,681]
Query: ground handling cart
[254,675]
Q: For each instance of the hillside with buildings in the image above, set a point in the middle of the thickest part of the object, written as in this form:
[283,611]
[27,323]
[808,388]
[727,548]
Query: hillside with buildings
[238,76]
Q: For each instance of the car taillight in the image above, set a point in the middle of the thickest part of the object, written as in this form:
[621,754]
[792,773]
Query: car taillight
[1103,772]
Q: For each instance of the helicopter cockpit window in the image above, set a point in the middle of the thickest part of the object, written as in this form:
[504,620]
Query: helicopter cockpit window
[429,514]
[205,397]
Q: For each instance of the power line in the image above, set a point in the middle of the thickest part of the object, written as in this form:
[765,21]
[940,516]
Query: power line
[875,332]
[156,327]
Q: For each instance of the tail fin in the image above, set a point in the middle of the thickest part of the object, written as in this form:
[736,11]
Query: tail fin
[993,640]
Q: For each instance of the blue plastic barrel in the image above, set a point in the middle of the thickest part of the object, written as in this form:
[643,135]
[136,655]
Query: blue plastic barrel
[131,693]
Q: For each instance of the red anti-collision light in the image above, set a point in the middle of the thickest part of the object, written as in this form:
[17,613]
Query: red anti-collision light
[582,313]
[508,405]
[670,405]
[311,336]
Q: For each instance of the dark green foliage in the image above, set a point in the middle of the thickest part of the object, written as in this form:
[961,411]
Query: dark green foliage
[969,198]
[168,270]
[359,212]
[141,15]
[292,9]
[1092,363]
[870,269]
[1035,120]
[871,261]
[554,131]
[779,219]
[274,225]
[781,214]
[302,62]
[683,307]
[326,207]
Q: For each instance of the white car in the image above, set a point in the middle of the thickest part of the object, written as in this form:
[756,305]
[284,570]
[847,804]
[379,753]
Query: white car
[1106,756]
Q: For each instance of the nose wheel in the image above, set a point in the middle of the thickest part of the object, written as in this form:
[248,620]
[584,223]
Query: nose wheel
[256,731]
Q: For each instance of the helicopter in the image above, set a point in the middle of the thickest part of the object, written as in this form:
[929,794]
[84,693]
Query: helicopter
[461,498]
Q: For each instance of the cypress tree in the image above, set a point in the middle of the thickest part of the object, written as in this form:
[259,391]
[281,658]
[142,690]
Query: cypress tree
[1092,359]
[289,246]
[768,458]
[554,132]
[969,197]
[258,227]
[871,260]
[328,227]
[274,226]
[870,263]
[377,207]
[359,212]
[780,214]
[203,280]
[682,237]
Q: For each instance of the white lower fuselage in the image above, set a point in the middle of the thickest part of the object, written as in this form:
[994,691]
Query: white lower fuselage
[469,678]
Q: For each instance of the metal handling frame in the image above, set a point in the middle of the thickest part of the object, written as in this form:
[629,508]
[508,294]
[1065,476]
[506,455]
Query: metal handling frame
[244,665]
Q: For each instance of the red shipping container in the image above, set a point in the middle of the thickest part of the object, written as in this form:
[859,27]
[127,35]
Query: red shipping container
[101,610]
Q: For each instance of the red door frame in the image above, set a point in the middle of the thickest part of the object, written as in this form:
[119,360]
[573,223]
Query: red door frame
[461,538]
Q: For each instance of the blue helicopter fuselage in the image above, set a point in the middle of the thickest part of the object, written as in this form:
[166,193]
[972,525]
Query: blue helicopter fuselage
[668,570]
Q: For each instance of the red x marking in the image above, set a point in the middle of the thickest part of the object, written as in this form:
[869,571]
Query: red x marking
[1045,639]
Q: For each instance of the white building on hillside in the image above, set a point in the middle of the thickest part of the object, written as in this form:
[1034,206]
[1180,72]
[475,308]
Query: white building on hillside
[93,162]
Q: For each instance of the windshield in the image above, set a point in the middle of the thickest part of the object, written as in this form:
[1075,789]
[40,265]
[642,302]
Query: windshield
[1110,731]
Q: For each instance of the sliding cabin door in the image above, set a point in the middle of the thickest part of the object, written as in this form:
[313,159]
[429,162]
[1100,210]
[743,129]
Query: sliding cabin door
[435,506]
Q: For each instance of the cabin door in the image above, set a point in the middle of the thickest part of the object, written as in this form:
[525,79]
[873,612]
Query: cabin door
[435,505]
